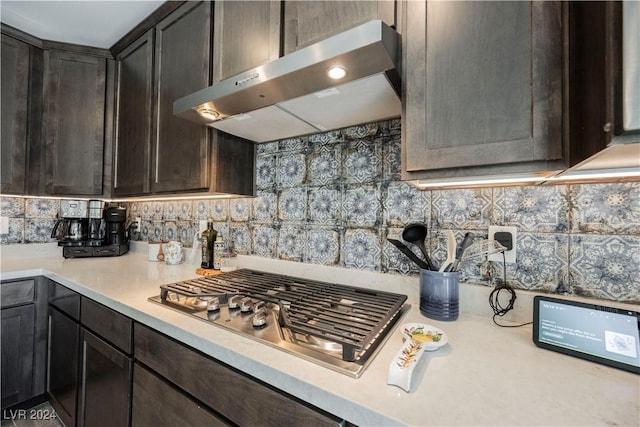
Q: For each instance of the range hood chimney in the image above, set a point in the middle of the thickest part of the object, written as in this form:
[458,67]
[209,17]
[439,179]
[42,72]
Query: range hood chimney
[294,95]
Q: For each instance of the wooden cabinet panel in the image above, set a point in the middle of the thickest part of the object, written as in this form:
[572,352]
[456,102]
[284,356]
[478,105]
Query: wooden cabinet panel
[180,151]
[307,22]
[158,404]
[18,292]
[246,34]
[74,123]
[109,324]
[14,122]
[235,396]
[483,88]
[17,327]
[133,143]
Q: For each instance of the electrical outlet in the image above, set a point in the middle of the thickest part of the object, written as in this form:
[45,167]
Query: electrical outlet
[138,224]
[4,225]
[202,225]
[510,256]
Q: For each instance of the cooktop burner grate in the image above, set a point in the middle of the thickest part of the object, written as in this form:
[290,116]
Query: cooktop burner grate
[349,316]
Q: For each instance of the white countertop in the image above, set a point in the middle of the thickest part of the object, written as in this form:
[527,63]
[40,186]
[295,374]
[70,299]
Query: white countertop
[485,375]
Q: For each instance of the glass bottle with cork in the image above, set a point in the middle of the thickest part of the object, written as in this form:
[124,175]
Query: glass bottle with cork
[208,238]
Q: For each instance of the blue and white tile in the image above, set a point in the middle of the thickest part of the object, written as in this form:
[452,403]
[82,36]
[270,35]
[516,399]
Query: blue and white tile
[361,131]
[133,210]
[12,207]
[145,210]
[323,246]
[391,159]
[606,267]
[293,144]
[265,239]
[42,208]
[391,127]
[240,209]
[541,261]
[267,147]
[16,232]
[185,232]
[265,172]
[361,249]
[146,231]
[38,230]
[362,162]
[201,210]
[324,165]
[156,231]
[241,238]
[292,170]
[361,206]
[404,204]
[170,210]
[265,207]
[465,209]
[292,205]
[185,210]
[157,211]
[219,209]
[532,208]
[606,208]
[325,138]
[170,231]
[222,230]
[325,205]
[291,243]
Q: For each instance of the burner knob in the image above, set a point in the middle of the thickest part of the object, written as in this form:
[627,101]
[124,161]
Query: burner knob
[214,304]
[234,302]
[246,305]
[260,318]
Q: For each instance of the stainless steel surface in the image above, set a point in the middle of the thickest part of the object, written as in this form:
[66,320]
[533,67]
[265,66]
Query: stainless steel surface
[293,95]
[631,65]
[337,326]
[73,209]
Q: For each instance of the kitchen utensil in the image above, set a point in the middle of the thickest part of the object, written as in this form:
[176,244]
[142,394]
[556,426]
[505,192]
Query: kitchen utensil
[153,251]
[451,252]
[482,248]
[416,233]
[160,255]
[430,337]
[466,242]
[409,254]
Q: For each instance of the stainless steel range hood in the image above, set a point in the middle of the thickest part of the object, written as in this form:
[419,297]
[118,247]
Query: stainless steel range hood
[293,95]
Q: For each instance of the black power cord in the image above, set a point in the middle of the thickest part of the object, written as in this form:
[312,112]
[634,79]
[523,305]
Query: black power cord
[494,298]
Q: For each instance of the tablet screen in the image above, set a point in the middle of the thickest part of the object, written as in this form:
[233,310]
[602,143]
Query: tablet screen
[598,333]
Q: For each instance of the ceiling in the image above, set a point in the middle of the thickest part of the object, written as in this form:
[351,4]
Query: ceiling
[90,23]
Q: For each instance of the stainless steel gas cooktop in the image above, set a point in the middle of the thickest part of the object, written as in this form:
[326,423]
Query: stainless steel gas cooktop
[337,326]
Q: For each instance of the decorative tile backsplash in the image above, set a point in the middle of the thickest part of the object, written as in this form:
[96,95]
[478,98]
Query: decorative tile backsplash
[334,199]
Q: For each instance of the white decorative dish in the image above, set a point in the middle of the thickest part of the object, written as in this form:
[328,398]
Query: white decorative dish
[418,338]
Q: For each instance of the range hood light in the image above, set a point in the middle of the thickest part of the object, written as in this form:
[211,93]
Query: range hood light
[208,113]
[337,72]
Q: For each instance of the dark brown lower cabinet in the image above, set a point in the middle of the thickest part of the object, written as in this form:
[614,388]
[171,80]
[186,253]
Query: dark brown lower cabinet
[105,384]
[235,396]
[156,403]
[17,353]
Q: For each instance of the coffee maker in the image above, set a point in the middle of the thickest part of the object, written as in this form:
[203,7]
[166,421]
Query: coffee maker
[96,224]
[115,218]
[72,225]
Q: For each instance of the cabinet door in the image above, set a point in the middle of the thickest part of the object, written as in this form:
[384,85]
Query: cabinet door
[18,334]
[182,66]
[15,101]
[74,123]
[133,141]
[246,34]
[158,404]
[105,386]
[307,22]
[483,87]
[62,384]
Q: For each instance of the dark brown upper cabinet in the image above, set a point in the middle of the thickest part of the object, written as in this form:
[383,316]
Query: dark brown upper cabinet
[74,123]
[482,88]
[307,22]
[246,34]
[132,153]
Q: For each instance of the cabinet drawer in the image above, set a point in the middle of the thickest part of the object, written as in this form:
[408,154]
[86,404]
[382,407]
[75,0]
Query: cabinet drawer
[65,300]
[110,325]
[18,292]
[239,398]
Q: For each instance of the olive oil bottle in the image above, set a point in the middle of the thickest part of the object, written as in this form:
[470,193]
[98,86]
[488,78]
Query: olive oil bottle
[207,240]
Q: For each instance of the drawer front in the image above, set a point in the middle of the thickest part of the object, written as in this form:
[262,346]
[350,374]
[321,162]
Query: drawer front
[65,300]
[18,292]
[235,396]
[110,325]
